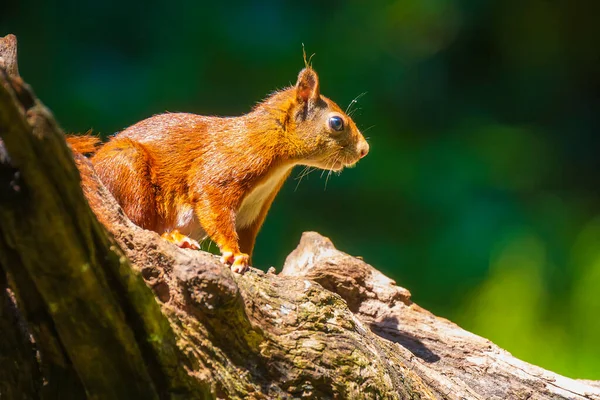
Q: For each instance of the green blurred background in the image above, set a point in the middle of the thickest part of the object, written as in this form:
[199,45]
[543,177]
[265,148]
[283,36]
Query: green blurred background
[480,193]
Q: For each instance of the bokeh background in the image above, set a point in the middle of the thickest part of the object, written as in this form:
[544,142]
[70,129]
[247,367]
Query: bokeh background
[480,193]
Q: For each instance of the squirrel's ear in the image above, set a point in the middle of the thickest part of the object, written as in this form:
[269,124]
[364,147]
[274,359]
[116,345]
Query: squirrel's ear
[307,87]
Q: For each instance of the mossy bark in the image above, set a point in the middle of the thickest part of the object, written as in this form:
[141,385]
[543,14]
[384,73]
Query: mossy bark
[96,326]
[92,306]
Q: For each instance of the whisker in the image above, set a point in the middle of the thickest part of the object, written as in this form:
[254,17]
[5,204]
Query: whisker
[301,174]
[327,180]
[305,171]
[363,132]
[299,178]
[352,112]
[327,167]
[322,172]
[310,170]
[330,171]
[354,101]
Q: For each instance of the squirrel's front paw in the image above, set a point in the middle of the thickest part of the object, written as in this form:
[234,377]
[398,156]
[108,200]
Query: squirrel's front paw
[238,262]
[181,240]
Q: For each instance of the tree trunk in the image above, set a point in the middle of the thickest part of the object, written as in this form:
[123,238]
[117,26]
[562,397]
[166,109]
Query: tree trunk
[93,306]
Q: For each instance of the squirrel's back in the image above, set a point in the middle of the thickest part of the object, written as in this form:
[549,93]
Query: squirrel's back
[167,126]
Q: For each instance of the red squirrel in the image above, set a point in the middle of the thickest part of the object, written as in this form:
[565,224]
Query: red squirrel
[189,176]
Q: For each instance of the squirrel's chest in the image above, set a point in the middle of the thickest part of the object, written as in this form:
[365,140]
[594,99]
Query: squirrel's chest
[254,201]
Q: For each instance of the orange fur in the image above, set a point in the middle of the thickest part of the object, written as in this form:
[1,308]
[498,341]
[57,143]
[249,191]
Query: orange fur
[218,176]
[84,144]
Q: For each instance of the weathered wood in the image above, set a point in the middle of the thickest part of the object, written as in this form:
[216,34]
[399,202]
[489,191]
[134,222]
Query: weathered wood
[328,326]
[8,55]
[89,312]
[17,356]
[455,363]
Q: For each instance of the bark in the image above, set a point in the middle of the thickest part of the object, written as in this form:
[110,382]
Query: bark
[93,306]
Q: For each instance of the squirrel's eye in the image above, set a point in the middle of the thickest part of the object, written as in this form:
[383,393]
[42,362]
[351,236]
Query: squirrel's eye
[336,123]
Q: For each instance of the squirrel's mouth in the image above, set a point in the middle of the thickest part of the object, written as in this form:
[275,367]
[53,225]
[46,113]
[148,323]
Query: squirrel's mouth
[351,164]
[341,164]
[338,166]
[335,163]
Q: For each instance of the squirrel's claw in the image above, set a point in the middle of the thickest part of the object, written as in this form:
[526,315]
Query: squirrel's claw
[227,257]
[238,262]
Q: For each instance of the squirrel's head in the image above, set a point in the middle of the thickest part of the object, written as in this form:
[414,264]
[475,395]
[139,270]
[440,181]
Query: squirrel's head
[325,135]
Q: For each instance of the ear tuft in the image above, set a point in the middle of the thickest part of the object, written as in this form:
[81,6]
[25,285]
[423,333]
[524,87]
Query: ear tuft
[307,87]
[307,63]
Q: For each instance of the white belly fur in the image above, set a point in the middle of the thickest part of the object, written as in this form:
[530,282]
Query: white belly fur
[188,224]
[254,201]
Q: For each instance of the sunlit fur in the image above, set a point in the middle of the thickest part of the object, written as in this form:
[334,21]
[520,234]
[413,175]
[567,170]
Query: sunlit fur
[218,176]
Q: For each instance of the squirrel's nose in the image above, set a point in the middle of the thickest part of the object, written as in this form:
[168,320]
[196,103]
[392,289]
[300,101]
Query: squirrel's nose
[362,148]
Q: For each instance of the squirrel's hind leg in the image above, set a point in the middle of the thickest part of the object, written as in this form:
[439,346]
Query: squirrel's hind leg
[125,166]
